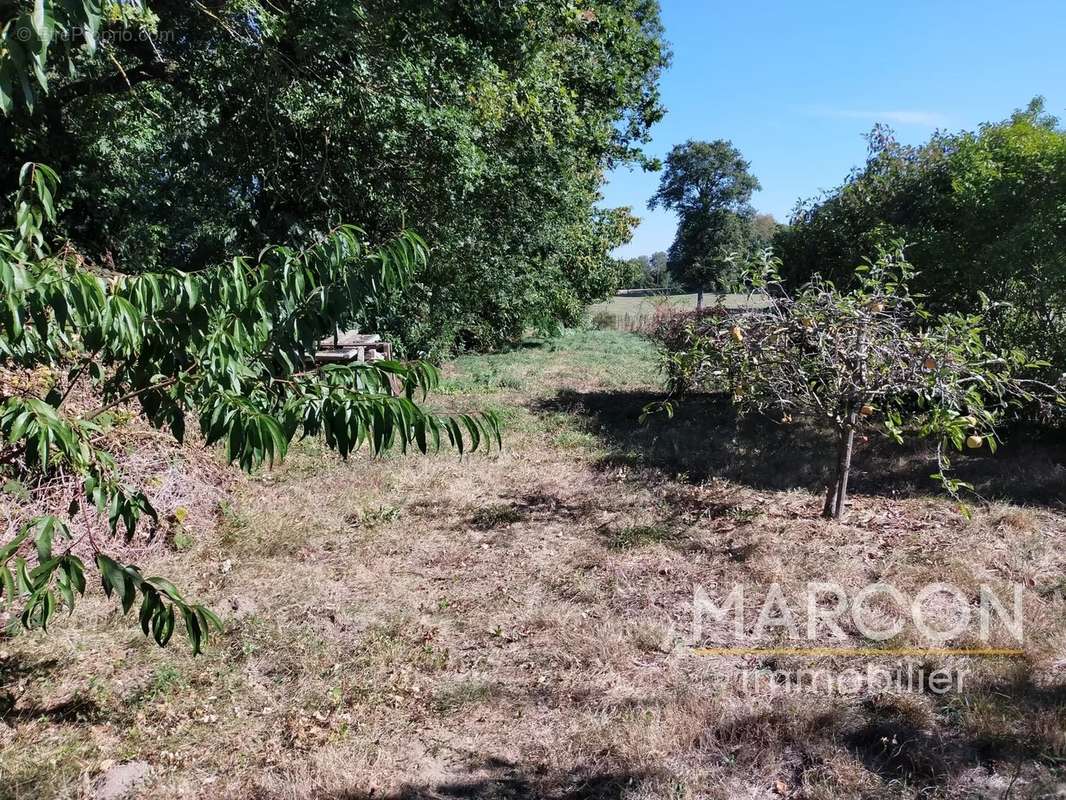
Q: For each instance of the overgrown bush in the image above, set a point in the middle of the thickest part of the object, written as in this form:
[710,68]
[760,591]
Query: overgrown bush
[677,334]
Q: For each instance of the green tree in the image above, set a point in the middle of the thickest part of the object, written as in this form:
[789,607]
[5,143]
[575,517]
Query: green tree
[212,130]
[709,186]
[644,272]
[658,269]
[981,212]
[228,349]
[633,272]
[763,229]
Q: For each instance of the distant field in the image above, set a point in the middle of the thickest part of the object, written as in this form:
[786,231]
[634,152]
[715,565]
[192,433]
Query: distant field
[631,313]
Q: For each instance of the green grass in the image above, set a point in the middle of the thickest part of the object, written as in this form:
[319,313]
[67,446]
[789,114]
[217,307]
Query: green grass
[644,306]
[647,305]
[613,359]
[582,360]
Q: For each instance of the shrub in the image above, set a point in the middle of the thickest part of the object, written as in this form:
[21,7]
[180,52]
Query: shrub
[676,335]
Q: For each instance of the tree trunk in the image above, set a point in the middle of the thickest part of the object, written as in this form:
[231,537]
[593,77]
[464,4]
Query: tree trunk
[699,298]
[837,494]
[845,471]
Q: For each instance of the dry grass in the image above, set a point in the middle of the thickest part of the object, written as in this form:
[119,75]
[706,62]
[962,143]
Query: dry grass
[509,626]
[185,484]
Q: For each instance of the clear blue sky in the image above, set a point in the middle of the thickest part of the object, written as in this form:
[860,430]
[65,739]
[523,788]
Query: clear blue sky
[795,83]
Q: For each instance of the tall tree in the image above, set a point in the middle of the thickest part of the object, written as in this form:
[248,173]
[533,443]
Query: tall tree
[709,186]
[213,129]
[228,349]
[764,227]
[657,268]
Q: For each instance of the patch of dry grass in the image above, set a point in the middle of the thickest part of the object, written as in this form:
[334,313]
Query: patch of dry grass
[513,625]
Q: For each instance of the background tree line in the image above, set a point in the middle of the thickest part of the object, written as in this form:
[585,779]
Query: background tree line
[983,215]
[209,130]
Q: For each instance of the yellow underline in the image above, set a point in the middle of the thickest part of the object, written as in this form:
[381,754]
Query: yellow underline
[859,651]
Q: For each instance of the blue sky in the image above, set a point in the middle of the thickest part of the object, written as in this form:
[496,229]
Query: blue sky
[795,83]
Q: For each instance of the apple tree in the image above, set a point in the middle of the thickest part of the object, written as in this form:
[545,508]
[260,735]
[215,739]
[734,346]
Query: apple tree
[867,357]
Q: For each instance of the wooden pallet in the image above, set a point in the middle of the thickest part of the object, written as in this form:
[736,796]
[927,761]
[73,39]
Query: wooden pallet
[349,346]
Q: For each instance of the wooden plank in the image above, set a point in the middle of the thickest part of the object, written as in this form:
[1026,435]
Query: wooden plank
[335,356]
[349,339]
[352,346]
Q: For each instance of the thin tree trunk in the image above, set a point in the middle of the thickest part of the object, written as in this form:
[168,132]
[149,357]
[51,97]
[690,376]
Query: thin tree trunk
[830,498]
[699,298]
[845,472]
[833,488]
[836,496]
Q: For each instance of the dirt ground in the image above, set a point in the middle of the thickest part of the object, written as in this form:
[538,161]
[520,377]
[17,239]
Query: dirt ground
[520,624]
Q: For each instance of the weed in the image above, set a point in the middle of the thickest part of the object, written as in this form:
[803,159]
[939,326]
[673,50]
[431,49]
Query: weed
[635,536]
[496,516]
[182,539]
[372,516]
[743,515]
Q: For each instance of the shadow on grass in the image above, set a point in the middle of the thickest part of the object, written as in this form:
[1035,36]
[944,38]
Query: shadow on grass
[969,744]
[706,439]
[498,779]
[984,735]
[1014,724]
[15,708]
